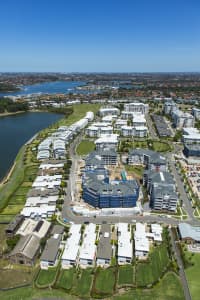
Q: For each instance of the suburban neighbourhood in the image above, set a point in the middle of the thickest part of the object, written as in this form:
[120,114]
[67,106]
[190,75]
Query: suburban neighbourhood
[114,194]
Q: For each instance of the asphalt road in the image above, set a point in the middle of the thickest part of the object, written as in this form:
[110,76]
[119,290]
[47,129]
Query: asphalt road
[180,187]
[151,128]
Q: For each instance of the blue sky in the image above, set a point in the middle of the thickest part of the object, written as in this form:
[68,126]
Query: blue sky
[98,36]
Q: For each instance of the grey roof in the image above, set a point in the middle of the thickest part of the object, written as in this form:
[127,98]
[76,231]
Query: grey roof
[57,229]
[154,157]
[96,183]
[96,157]
[194,147]
[162,191]
[28,246]
[160,177]
[51,249]
[188,231]
[104,249]
[14,223]
[43,193]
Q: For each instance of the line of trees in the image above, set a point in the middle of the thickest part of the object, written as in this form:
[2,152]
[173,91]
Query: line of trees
[8,105]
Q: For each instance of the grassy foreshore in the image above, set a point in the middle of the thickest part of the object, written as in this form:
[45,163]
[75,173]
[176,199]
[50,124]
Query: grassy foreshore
[5,114]
[24,170]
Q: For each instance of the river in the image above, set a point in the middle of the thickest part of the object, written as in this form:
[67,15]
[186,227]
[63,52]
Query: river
[55,87]
[16,130]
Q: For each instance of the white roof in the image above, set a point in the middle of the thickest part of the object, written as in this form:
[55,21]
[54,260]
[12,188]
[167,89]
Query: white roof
[121,121]
[88,248]
[140,128]
[139,118]
[108,118]
[72,243]
[125,247]
[190,130]
[46,166]
[37,201]
[100,124]
[107,138]
[42,211]
[108,109]
[141,240]
[29,225]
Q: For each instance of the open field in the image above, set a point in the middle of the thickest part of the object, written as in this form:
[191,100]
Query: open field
[192,274]
[104,282]
[65,279]
[85,147]
[150,271]
[169,288]
[126,275]
[79,111]
[13,278]
[5,219]
[27,293]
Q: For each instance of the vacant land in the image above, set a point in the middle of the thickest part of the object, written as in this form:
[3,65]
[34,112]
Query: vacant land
[85,147]
[137,170]
[192,274]
[150,271]
[125,276]
[169,288]
[65,279]
[12,278]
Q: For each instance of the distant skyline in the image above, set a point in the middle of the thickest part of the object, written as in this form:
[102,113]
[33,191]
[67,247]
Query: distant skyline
[99,36]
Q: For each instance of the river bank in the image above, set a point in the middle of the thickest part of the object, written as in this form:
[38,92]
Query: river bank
[6,114]
[25,167]
[16,130]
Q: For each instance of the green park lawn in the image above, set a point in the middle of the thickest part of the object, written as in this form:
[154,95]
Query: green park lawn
[12,209]
[150,271]
[29,292]
[125,275]
[83,283]
[46,277]
[85,147]
[169,288]
[79,111]
[193,274]
[65,279]
[160,146]
[104,282]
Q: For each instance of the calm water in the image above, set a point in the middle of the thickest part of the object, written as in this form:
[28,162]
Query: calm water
[62,87]
[16,130]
